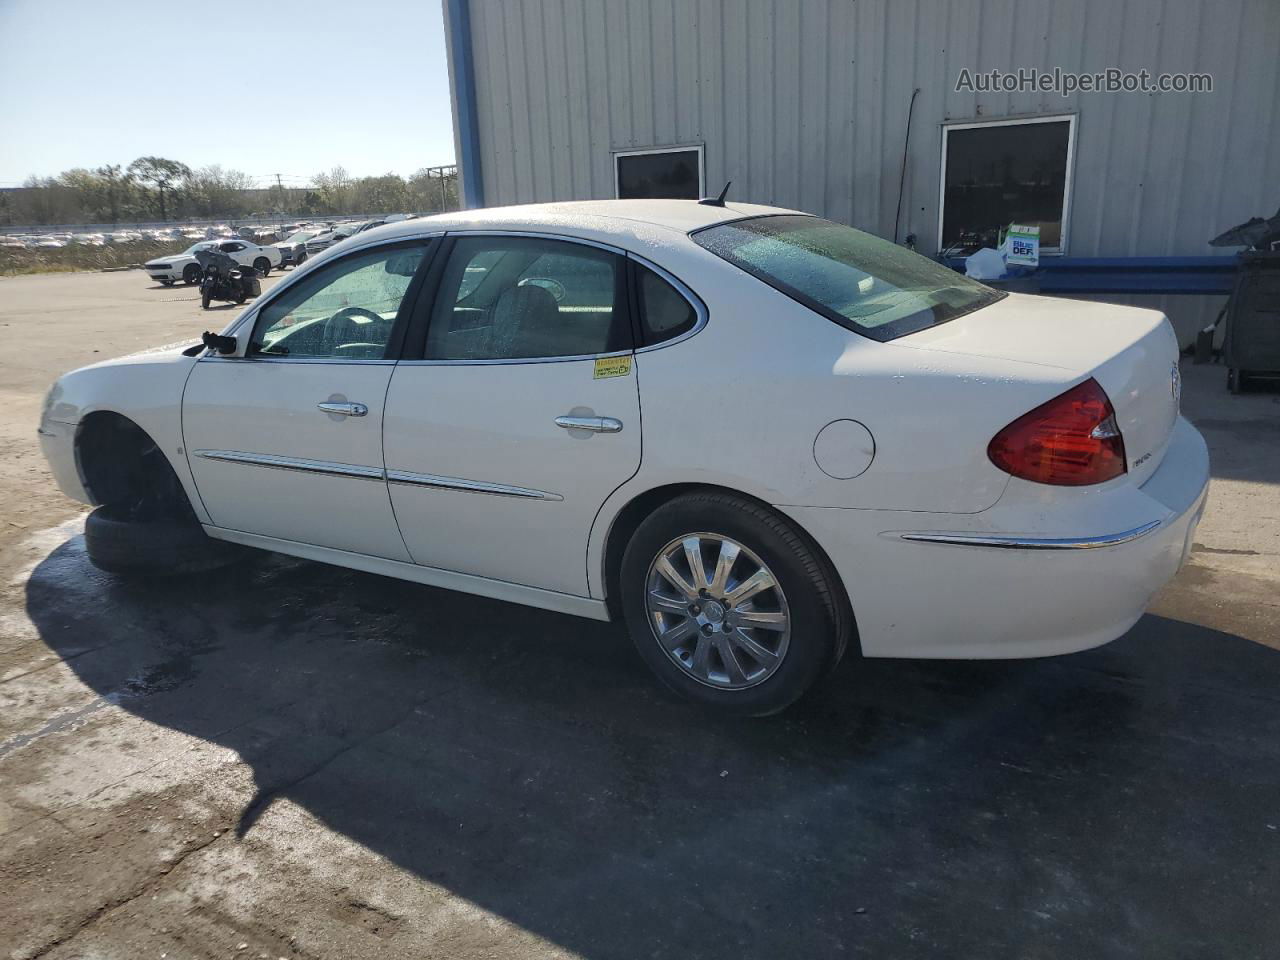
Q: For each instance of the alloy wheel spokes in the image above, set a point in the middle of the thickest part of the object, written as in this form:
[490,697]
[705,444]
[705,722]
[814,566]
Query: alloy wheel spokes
[717,611]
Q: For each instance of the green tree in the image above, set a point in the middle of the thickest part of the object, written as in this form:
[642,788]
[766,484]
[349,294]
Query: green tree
[159,172]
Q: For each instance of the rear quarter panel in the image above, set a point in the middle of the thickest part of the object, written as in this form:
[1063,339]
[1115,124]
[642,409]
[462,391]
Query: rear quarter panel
[741,403]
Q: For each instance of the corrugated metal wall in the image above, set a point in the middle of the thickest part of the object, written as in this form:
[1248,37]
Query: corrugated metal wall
[803,103]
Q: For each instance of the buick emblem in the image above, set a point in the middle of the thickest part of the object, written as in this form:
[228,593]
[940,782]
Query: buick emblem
[1175,384]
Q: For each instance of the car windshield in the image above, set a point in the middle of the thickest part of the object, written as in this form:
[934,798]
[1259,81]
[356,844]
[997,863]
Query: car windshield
[868,285]
[206,245]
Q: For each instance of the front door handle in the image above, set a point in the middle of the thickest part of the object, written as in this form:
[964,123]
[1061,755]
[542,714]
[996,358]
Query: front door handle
[594,424]
[343,409]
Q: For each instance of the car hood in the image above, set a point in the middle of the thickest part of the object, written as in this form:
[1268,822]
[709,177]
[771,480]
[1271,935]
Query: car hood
[180,259]
[142,376]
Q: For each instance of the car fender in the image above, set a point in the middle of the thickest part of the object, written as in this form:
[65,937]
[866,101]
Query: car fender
[145,388]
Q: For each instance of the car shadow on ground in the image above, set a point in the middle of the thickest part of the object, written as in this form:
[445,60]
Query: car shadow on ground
[1121,802]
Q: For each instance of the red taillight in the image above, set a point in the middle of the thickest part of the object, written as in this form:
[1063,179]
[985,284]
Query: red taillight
[1070,441]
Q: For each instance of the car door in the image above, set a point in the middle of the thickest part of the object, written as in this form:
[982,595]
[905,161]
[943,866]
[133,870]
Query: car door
[237,250]
[516,412]
[285,441]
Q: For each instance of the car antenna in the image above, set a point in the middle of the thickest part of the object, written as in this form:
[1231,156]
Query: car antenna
[717,201]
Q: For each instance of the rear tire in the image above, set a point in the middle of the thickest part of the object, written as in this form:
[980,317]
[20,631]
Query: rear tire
[262,265]
[810,626]
[191,274]
[126,545]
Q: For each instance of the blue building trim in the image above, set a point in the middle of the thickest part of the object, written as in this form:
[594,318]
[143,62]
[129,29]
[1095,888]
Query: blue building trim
[464,86]
[1127,275]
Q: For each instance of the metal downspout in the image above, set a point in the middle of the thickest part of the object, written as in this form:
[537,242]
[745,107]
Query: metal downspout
[464,91]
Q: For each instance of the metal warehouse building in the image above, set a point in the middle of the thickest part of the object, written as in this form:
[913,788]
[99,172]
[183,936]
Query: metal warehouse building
[806,103]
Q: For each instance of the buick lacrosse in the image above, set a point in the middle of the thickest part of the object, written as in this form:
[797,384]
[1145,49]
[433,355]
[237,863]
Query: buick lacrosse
[755,436]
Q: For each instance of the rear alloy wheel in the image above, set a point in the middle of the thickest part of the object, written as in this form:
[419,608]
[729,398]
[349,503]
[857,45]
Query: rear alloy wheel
[191,274]
[730,605]
[262,265]
[729,628]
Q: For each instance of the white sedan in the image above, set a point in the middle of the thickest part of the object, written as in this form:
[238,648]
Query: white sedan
[183,266]
[755,436]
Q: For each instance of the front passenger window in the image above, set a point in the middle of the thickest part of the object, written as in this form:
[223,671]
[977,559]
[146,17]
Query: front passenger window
[346,311]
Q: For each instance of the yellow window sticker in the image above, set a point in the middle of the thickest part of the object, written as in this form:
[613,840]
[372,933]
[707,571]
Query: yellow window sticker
[612,367]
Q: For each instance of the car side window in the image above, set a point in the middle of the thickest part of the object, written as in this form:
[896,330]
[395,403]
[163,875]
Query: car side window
[512,298]
[664,311]
[232,247]
[345,311]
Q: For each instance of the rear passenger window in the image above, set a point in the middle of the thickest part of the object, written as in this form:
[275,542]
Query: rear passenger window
[664,312]
[513,298]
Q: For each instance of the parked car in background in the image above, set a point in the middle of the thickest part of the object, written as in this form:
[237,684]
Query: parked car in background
[183,266]
[843,443]
[326,239]
[293,249]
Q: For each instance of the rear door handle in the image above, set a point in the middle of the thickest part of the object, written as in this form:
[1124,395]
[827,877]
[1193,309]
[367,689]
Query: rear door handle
[343,409]
[594,424]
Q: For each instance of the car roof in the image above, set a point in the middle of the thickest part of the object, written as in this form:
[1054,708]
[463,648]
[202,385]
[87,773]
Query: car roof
[627,223]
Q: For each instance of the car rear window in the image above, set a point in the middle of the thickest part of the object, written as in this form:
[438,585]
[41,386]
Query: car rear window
[866,284]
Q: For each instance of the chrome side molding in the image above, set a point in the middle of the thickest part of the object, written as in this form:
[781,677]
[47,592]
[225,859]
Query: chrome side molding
[471,486]
[293,463]
[1033,543]
[358,472]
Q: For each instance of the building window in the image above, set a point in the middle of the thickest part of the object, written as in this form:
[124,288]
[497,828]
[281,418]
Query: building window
[672,172]
[1002,172]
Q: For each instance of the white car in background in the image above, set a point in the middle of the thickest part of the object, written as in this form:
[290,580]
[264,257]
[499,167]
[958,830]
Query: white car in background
[183,266]
[755,436]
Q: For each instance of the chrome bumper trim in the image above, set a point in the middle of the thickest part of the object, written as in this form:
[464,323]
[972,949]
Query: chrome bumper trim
[1034,543]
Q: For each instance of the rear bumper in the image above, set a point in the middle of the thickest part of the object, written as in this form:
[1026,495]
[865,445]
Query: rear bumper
[1037,574]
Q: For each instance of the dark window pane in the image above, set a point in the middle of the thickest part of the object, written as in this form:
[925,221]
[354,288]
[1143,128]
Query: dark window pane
[664,313]
[673,175]
[1010,173]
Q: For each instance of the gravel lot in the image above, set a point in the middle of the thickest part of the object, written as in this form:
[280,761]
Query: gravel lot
[293,760]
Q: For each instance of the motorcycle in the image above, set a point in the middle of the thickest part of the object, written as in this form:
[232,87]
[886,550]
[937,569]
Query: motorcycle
[221,278]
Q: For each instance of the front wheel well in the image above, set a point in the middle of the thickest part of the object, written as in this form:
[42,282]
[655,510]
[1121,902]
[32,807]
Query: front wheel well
[644,504]
[121,466]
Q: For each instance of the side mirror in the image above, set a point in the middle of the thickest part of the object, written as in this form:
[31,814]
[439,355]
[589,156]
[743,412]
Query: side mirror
[218,343]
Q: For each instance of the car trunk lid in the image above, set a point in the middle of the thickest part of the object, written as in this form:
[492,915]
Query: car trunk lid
[1131,352]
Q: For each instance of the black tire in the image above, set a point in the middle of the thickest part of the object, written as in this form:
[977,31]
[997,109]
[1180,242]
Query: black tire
[205,297]
[122,544]
[820,623]
[302,258]
[191,274]
[262,265]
